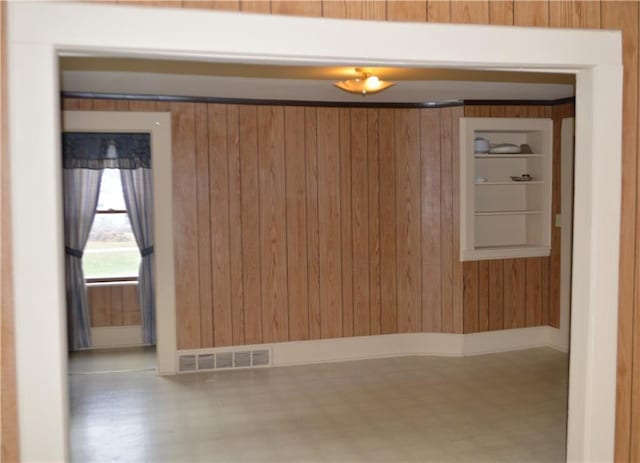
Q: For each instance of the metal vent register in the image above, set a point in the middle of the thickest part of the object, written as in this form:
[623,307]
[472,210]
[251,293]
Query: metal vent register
[224,360]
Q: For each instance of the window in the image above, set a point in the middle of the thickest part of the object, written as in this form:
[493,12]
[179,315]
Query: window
[111,252]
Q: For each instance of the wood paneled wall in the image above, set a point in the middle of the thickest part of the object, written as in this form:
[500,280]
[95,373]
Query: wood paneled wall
[517,293]
[296,223]
[114,304]
[568,14]
[300,223]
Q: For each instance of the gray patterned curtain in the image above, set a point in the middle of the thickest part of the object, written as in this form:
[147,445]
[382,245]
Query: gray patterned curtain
[81,189]
[85,156]
[138,196]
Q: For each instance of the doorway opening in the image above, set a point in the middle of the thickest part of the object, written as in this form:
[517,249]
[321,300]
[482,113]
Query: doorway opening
[593,56]
[216,148]
[110,215]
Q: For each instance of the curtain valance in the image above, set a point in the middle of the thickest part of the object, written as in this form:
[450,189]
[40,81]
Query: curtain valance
[85,150]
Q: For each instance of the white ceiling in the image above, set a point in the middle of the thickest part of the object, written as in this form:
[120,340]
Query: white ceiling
[131,76]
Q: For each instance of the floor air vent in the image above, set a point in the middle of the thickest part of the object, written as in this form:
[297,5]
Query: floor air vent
[242,359]
[260,357]
[224,360]
[187,363]
[206,362]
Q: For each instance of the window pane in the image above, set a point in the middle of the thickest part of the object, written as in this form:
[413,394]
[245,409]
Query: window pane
[111,191]
[111,250]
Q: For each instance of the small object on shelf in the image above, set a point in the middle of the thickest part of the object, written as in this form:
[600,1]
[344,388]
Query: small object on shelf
[481,145]
[505,148]
[522,178]
[525,149]
[480,179]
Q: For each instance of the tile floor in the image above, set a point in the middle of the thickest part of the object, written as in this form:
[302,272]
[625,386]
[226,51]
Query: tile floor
[500,407]
[112,360]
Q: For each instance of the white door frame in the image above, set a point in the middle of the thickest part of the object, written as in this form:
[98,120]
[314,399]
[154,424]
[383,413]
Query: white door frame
[38,33]
[158,125]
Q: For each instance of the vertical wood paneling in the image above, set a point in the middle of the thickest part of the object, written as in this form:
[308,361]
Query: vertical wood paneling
[439,11]
[116,306]
[296,202]
[273,229]
[577,14]
[514,287]
[130,305]
[204,224]
[496,295]
[297,7]
[219,216]
[354,9]
[329,222]
[251,265]
[624,16]
[255,6]
[458,321]
[408,218]
[483,295]
[141,105]
[470,12]
[501,12]
[470,295]
[160,3]
[533,291]
[77,104]
[388,288]
[407,11]
[531,13]
[360,222]
[224,5]
[104,105]
[99,298]
[235,225]
[373,161]
[446,217]
[376,198]
[346,220]
[185,225]
[431,221]
[313,238]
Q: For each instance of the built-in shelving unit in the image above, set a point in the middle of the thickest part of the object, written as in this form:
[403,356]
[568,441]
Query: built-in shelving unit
[500,217]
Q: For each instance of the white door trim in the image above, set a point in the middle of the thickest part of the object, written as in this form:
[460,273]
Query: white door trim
[158,125]
[38,32]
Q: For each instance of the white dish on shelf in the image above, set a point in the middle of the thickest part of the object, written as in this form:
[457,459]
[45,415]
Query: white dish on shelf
[505,148]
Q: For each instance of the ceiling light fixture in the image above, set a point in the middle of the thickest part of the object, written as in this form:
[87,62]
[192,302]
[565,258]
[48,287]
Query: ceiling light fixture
[364,84]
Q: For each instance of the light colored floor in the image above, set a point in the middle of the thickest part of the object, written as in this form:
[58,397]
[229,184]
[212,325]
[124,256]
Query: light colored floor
[499,407]
[112,360]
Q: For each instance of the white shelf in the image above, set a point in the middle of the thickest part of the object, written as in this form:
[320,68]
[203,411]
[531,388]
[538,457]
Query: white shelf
[502,218]
[506,252]
[510,183]
[507,156]
[525,212]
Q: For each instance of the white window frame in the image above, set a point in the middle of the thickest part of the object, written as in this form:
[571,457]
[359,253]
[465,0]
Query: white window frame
[105,212]
[39,32]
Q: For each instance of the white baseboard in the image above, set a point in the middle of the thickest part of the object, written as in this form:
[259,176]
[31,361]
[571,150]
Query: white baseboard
[116,336]
[559,339]
[396,345]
